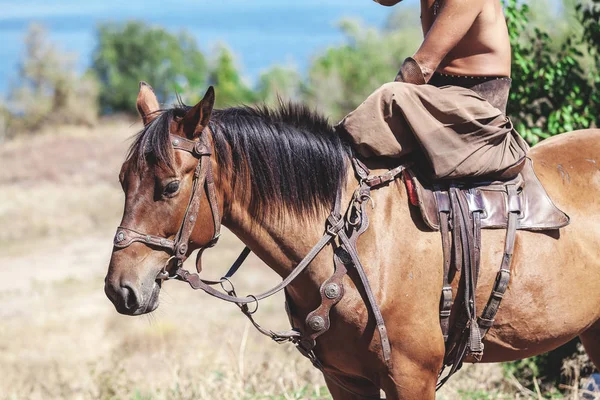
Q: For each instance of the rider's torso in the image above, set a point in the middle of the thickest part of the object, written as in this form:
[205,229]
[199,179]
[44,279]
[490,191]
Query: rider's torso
[485,49]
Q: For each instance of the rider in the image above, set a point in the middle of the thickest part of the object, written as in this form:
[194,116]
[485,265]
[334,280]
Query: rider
[450,96]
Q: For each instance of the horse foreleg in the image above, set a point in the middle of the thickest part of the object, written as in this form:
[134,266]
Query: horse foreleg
[355,390]
[591,342]
[410,382]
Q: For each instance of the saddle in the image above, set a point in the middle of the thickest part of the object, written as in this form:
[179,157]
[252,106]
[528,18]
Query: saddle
[459,210]
[537,212]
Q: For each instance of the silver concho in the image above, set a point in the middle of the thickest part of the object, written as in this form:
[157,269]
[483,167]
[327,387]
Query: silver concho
[148,238]
[183,248]
[316,323]
[120,236]
[332,291]
[176,142]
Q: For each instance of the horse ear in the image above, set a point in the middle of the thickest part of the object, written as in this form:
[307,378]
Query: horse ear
[147,103]
[196,119]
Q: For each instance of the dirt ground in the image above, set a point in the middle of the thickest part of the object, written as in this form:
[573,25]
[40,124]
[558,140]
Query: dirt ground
[60,337]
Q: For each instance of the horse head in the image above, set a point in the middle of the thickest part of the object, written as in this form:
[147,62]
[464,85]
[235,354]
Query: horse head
[166,215]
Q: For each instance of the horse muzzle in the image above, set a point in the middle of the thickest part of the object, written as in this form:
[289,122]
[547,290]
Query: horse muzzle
[131,300]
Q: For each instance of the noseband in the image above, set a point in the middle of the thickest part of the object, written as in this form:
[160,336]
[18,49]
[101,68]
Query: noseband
[179,246]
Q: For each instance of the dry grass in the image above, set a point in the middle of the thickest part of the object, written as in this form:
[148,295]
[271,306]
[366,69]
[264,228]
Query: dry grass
[60,338]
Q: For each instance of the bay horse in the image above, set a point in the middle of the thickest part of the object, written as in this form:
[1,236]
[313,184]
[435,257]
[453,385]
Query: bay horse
[276,175]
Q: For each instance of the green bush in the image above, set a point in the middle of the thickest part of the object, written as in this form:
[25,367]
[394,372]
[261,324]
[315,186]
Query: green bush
[343,77]
[565,365]
[589,15]
[551,92]
[230,88]
[279,83]
[133,52]
[48,91]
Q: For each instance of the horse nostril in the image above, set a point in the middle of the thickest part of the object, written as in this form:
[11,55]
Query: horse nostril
[129,297]
[123,296]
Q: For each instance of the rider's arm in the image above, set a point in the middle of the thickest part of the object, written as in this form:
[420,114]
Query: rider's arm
[453,21]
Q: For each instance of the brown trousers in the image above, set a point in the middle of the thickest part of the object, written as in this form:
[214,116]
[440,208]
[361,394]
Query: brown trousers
[455,130]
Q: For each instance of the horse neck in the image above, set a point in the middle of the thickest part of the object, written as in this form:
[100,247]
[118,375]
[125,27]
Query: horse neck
[282,242]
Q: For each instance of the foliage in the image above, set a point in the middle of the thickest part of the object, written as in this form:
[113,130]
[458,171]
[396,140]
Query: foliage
[279,83]
[48,90]
[562,365]
[590,20]
[129,53]
[230,88]
[551,92]
[4,116]
[342,77]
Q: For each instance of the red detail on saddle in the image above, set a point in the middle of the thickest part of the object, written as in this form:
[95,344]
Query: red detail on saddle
[410,188]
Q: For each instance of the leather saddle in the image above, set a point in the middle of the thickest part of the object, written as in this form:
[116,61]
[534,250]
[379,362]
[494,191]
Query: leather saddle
[537,211]
[459,210]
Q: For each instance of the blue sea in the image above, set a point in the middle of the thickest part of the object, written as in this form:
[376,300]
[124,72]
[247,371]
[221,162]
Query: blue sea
[260,32]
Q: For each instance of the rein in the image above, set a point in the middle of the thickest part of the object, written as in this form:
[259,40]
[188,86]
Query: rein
[341,231]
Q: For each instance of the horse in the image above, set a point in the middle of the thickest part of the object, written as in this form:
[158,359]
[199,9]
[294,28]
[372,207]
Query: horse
[276,175]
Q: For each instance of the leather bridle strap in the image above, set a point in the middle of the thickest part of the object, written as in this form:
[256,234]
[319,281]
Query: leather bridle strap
[191,213]
[125,237]
[335,225]
[232,270]
[203,178]
[362,196]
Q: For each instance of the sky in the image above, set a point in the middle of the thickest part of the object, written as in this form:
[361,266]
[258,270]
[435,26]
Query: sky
[260,32]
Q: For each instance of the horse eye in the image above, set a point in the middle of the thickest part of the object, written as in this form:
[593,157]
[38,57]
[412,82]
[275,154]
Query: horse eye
[171,188]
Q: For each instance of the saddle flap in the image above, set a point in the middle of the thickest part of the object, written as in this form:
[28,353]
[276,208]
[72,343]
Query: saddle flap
[537,211]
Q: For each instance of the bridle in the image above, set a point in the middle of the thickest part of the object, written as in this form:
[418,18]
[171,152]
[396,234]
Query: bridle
[179,246]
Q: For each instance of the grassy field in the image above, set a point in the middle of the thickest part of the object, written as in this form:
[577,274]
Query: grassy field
[60,337]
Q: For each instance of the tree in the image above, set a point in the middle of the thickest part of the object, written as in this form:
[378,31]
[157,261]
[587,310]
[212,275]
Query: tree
[589,16]
[230,88]
[551,93]
[342,77]
[279,83]
[49,90]
[131,52]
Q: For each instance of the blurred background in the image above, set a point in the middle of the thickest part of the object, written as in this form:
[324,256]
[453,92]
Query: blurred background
[69,75]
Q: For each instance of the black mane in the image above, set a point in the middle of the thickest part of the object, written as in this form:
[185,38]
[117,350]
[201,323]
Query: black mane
[285,158]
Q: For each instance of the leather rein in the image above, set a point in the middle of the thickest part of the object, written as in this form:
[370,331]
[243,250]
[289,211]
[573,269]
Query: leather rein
[341,231]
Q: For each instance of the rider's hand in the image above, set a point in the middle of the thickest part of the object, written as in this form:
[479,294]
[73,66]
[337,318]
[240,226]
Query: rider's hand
[411,72]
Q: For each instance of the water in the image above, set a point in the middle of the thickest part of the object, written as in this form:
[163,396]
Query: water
[260,32]
[592,386]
